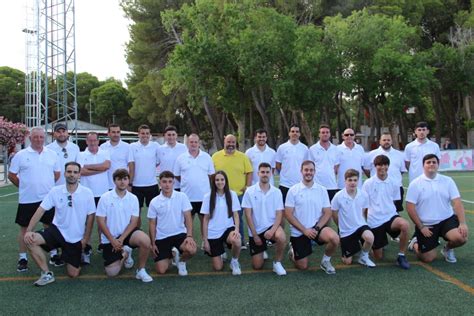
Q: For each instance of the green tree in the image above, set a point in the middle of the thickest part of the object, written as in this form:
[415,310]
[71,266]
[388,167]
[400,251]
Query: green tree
[12,94]
[111,103]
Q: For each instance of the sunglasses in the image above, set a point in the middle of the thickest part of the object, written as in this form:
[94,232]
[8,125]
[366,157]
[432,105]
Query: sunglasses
[348,134]
[69,198]
[64,150]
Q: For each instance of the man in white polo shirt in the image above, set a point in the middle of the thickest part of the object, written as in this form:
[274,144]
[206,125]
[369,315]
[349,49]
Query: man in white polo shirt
[431,199]
[326,158]
[171,226]
[419,148]
[259,153]
[382,216]
[118,150]
[170,151]
[34,171]
[351,157]
[71,228]
[263,207]
[194,169]
[288,159]
[308,210]
[117,217]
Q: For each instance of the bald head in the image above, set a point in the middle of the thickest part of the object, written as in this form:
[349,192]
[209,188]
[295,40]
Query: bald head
[229,144]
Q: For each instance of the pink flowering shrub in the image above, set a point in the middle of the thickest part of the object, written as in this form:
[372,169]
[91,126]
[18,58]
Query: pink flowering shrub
[11,133]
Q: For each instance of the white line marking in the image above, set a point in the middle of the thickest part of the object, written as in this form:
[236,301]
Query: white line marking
[467,201]
[8,194]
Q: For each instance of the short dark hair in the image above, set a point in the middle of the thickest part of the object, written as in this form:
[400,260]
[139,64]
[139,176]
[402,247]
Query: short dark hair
[112,125]
[92,133]
[430,156]
[72,163]
[260,131]
[264,165]
[387,133]
[351,173]
[307,162]
[166,174]
[170,128]
[381,160]
[324,125]
[120,174]
[421,124]
[143,126]
[294,125]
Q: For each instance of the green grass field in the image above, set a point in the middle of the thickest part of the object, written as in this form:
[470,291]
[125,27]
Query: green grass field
[440,288]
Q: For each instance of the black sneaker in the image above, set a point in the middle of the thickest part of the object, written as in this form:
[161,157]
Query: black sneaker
[56,261]
[22,265]
[100,247]
[403,262]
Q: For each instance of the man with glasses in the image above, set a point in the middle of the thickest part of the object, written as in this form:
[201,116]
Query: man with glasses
[351,157]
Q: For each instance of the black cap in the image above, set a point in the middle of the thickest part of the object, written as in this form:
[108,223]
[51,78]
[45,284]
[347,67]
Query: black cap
[58,126]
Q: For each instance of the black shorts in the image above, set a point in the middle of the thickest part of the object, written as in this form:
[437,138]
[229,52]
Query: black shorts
[350,245]
[426,244]
[196,208]
[302,246]
[96,200]
[255,249]
[165,245]
[146,194]
[399,203]
[217,245]
[380,233]
[26,211]
[71,252]
[108,251]
[331,193]
[284,192]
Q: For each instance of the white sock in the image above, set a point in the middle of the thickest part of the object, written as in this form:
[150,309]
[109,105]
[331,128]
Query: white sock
[235,259]
[53,252]
[364,253]
[401,254]
[326,258]
[23,255]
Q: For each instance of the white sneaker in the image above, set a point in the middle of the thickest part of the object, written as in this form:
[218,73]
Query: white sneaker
[448,255]
[365,261]
[278,268]
[265,255]
[86,258]
[45,278]
[128,263]
[182,269]
[235,267]
[396,239]
[291,254]
[224,256]
[175,253]
[327,267]
[412,243]
[143,275]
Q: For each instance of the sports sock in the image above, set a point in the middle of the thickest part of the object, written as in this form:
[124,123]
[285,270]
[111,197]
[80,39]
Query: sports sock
[53,252]
[326,258]
[23,255]
[401,254]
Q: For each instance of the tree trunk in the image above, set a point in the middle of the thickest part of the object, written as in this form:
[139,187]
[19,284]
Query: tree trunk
[240,120]
[305,129]
[192,119]
[216,132]
[261,108]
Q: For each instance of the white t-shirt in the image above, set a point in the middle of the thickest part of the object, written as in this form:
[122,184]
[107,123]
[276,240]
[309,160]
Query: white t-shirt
[194,173]
[72,150]
[381,195]
[291,156]
[350,159]
[118,212]
[396,167]
[220,220]
[264,206]
[146,158]
[350,211]
[414,153]
[325,161]
[70,220]
[432,198]
[258,156]
[168,156]
[118,158]
[308,204]
[98,183]
[36,173]
[169,214]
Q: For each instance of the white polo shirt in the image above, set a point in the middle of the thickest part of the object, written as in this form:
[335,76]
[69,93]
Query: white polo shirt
[308,204]
[220,220]
[350,211]
[194,173]
[396,167]
[432,198]
[414,153]
[70,220]
[35,172]
[258,156]
[291,156]
[381,195]
[72,150]
[168,156]
[264,206]
[325,161]
[98,183]
[118,158]
[118,212]
[169,214]
[146,158]
[350,159]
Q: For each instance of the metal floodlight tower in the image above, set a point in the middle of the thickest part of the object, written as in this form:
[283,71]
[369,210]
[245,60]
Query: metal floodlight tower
[50,87]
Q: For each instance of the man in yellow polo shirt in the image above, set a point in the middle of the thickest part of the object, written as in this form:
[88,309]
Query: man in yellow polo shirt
[239,170]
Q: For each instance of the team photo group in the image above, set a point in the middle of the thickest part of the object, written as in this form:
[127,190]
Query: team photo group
[321,200]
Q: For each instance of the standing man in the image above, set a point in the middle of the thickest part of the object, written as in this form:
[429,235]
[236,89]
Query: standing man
[71,227]
[326,158]
[239,170]
[263,206]
[431,199]
[308,210]
[288,159]
[65,150]
[419,148]
[34,171]
[117,217]
[351,157]
[170,151]
[194,169]
[396,166]
[259,153]
[118,150]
